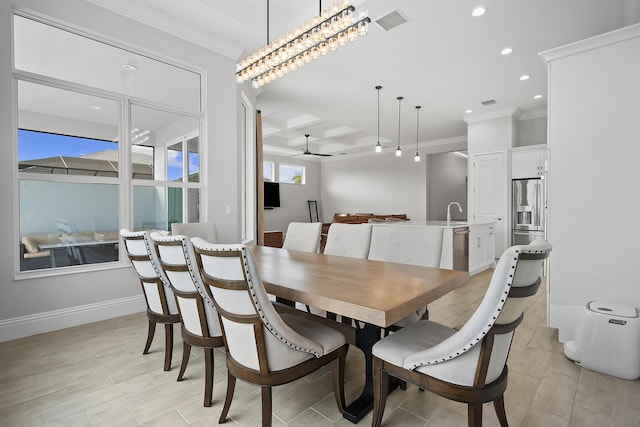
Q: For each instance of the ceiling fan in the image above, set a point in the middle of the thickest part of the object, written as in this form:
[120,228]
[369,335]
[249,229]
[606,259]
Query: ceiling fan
[307,152]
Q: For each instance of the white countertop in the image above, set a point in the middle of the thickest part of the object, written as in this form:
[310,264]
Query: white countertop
[443,224]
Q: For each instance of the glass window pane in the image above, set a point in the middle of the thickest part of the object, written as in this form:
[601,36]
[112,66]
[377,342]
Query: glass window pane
[160,149]
[291,174]
[175,164]
[64,132]
[193,204]
[193,150]
[268,171]
[156,208]
[46,50]
[64,224]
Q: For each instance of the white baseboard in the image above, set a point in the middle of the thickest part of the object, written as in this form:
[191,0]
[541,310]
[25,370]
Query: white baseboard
[24,326]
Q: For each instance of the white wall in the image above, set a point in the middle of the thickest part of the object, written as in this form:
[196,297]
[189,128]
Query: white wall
[531,132]
[382,184]
[37,305]
[491,134]
[594,109]
[446,182]
[293,198]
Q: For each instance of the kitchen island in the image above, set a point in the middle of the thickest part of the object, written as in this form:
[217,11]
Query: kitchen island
[468,246]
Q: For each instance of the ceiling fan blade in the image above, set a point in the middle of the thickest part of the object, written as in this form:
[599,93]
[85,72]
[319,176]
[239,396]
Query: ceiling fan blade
[307,152]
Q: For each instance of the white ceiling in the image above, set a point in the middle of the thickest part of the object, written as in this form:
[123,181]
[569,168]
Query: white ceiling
[442,59]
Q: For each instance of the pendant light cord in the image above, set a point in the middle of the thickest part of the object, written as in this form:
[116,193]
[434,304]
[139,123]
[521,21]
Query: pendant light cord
[268,41]
[400,98]
[417,125]
[378,89]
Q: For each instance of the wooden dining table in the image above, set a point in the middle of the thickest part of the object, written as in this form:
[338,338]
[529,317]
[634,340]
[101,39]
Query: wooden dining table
[375,293]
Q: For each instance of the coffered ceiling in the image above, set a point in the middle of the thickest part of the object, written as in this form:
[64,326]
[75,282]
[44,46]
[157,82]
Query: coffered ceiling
[442,58]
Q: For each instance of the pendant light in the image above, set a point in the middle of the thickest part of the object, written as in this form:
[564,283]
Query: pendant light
[416,157]
[378,145]
[399,150]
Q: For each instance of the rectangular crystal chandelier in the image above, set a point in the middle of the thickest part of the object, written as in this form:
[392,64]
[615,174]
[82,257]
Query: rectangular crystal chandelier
[322,34]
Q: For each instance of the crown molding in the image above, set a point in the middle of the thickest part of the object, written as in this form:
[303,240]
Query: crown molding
[595,42]
[534,114]
[506,112]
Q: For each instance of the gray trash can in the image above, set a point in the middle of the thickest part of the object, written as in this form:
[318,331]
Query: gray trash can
[607,340]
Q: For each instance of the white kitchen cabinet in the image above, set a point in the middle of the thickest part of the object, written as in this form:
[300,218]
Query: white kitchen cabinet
[529,162]
[482,242]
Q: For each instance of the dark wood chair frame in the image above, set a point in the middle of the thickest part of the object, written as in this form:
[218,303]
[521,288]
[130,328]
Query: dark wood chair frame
[166,319]
[474,396]
[264,377]
[207,342]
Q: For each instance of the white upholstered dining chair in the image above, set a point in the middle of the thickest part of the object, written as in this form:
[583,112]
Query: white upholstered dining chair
[407,244]
[161,304]
[347,240]
[204,230]
[263,347]
[469,365]
[200,324]
[303,236]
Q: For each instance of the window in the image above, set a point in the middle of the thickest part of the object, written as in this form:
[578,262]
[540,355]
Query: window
[102,144]
[268,171]
[291,174]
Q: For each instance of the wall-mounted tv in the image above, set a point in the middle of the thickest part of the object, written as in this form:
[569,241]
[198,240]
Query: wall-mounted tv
[271,194]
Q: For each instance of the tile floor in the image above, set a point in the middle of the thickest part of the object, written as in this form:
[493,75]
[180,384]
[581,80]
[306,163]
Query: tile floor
[96,375]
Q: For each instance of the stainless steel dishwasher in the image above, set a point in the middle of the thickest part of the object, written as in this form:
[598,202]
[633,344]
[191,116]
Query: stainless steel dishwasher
[461,248]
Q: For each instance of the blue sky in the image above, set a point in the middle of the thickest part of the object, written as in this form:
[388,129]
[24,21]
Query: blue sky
[40,145]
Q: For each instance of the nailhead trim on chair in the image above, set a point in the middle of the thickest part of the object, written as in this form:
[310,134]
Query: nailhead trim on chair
[520,249]
[264,319]
[159,272]
[255,300]
[484,331]
[195,278]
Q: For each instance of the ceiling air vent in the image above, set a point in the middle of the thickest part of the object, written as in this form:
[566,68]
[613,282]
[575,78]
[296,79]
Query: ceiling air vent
[391,20]
[488,102]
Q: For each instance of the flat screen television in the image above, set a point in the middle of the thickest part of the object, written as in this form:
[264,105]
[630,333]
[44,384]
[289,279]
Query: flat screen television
[271,194]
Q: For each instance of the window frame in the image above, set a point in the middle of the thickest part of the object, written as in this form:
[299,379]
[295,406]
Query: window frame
[303,180]
[124,180]
[273,171]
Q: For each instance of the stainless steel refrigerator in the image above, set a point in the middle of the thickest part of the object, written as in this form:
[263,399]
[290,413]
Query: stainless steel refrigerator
[528,210]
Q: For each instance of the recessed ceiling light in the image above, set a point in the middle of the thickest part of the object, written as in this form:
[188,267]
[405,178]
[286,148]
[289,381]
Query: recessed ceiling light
[479,11]
[129,67]
[95,107]
[538,96]
[525,77]
[506,51]
[468,111]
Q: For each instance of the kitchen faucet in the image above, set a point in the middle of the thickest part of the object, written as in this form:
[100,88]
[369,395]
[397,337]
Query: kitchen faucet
[449,210]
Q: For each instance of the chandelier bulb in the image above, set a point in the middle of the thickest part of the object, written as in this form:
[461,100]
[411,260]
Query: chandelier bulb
[323,33]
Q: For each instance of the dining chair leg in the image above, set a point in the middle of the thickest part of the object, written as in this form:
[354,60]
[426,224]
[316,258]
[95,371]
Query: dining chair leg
[498,405]
[150,334]
[168,345]
[380,390]
[186,352]
[338,377]
[474,411]
[266,406]
[208,376]
[231,386]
